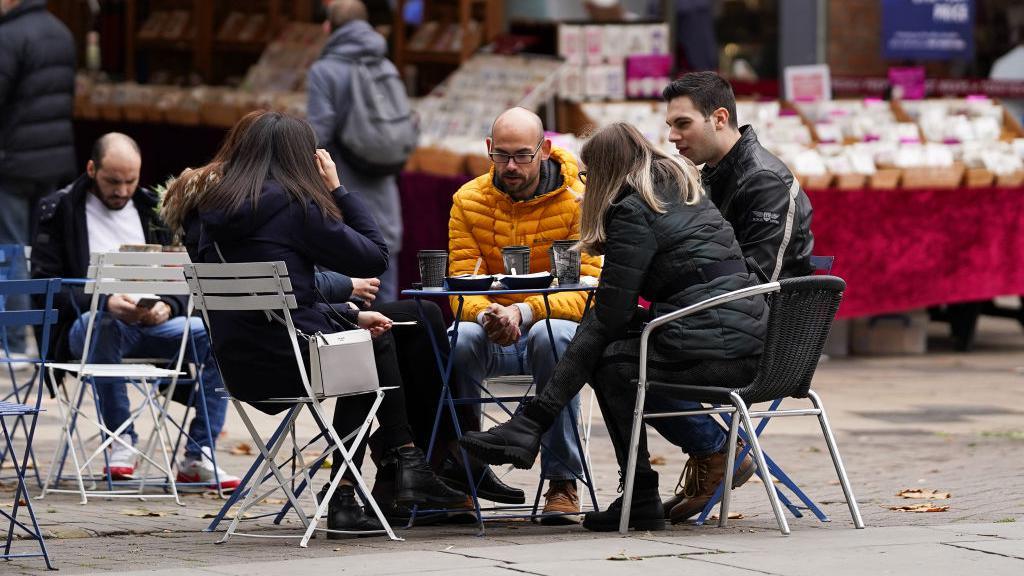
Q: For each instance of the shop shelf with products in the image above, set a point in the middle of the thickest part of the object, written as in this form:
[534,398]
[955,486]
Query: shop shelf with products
[221,38]
[450,32]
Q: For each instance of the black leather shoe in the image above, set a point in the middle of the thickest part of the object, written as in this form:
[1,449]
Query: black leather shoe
[345,513]
[488,485]
[416,483]
[645,513]
[515,442]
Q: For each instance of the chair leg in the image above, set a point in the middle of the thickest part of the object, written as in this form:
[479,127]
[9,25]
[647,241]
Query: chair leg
[634,443]
[730,463]
[837,460]
[762,466]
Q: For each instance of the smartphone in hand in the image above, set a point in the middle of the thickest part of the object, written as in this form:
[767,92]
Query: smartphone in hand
[146,301]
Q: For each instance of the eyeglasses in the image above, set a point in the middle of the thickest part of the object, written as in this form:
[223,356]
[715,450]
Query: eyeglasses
[583,176]
[503,158]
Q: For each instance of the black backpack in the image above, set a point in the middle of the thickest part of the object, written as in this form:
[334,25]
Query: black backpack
[379,132]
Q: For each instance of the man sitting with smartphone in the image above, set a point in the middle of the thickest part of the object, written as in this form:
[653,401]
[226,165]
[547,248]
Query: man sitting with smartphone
[99,212]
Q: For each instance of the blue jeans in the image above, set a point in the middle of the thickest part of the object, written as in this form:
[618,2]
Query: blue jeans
[114,340]
[697,435]
[477,358]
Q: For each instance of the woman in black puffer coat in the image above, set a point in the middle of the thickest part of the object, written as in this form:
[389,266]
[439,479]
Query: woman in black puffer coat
[663,240]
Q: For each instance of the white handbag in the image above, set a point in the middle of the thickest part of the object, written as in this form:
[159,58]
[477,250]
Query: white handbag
[342,363]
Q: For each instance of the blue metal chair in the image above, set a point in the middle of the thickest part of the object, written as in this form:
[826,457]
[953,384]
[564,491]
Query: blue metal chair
[20,383]
[26,412]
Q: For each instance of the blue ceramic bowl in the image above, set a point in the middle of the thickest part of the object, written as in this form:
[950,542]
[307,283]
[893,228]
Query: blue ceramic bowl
[528,281]
[469,283]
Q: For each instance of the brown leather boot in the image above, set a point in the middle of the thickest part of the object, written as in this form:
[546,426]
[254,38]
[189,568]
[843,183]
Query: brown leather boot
[700,478]
[562,501]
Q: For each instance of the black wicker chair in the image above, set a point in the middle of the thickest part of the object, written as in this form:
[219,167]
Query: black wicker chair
[802,310]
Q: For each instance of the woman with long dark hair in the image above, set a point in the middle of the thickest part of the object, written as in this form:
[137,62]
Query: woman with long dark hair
[278,198]
[664,240]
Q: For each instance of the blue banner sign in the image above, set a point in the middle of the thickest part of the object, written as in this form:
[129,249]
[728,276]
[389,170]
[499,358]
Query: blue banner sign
[928,29]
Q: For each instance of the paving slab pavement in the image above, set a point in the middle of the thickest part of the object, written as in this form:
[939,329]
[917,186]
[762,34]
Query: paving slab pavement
[946,421]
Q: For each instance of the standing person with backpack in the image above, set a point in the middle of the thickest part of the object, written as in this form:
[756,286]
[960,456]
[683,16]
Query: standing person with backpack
[360,112]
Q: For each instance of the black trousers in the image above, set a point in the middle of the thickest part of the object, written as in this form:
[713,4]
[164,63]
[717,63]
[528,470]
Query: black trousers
[420,374]
[612,372]
[393,426]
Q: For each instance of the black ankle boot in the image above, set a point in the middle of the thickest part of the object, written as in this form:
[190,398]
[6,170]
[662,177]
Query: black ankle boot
[415,482]
[515,442]
[645,513]
[488,486]
[345,513]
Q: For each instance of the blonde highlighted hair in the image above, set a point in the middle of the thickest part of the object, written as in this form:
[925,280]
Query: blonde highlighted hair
[620,155]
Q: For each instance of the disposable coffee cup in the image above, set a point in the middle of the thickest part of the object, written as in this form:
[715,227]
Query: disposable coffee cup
[567,262]
[433,267]
[516,258]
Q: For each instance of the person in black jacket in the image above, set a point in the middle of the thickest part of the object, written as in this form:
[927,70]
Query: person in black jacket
[37,155]
[101,210]
[664,240]
[755,191]
[278,198]
[768,210]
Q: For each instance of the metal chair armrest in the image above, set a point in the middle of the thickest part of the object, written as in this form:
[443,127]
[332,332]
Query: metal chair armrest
[713,302]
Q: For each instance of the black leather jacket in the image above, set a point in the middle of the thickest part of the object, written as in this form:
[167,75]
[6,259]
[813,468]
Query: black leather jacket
[766,206]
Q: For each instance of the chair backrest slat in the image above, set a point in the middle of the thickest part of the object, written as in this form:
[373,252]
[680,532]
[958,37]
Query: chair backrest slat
[262,302]
[136,273]
[240,270]
[225,286]
[9,287]
[28,317]
[137,287]
[799,320]
[140,258]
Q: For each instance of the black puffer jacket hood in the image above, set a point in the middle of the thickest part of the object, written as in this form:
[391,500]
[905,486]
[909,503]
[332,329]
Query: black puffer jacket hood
[37,85]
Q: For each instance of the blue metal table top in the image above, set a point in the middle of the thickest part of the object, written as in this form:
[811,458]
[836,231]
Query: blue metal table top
[549,290]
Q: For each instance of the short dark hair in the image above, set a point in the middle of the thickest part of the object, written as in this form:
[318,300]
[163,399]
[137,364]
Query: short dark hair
[103,143]
[708,92]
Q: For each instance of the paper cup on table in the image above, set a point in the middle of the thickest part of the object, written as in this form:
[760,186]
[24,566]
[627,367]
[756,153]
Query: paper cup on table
[516,258]
[567,262]
[433,268]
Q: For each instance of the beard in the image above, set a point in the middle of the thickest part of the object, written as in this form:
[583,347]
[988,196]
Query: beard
[519,186]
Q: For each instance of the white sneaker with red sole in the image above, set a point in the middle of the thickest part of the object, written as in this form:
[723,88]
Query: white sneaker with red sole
[201,471]
[121,459]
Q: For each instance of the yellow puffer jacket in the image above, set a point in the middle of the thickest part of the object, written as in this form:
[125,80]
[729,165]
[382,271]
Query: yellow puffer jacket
[484,220]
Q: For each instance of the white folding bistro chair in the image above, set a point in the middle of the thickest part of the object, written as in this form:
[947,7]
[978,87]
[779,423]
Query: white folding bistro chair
[265,287]
[119,273]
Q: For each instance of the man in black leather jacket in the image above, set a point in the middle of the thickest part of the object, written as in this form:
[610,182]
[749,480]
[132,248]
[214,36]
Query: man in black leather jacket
[771,216]
[754,190]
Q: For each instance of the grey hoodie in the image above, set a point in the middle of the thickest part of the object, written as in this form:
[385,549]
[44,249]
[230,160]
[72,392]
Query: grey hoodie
[328,93]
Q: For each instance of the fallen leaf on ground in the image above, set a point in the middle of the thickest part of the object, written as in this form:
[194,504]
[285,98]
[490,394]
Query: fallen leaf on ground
[274,501]
[732,516]
[214,515]
[924,494]
[925,507]
[621,556]
[657,460]
[242,449]
[142,512]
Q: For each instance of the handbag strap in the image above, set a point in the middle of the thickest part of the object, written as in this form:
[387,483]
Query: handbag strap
[334,311]
[270,314]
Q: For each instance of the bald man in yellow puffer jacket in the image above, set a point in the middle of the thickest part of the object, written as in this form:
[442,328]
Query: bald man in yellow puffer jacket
[530,197]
